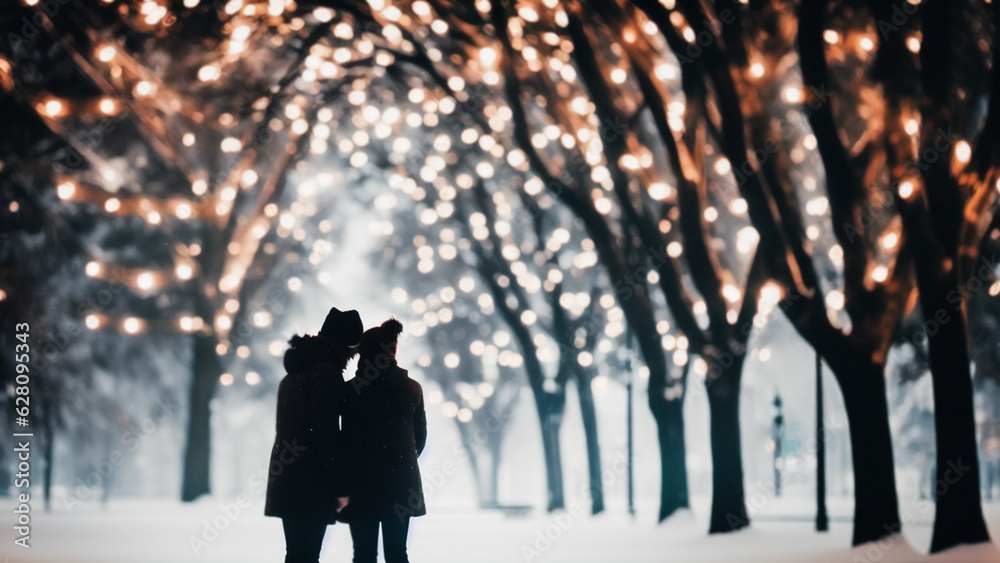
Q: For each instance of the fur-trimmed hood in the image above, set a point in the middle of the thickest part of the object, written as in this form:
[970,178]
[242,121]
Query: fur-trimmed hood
[306,351]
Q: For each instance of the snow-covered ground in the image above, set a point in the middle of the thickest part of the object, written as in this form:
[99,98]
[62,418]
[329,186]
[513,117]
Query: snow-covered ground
[158,531]
[215,530]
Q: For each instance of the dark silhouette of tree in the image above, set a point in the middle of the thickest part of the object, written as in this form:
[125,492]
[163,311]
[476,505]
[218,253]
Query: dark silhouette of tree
[943,206]
[210,160]
[984,312]
[517,307]
[619,259]
[479,381]
[723,343]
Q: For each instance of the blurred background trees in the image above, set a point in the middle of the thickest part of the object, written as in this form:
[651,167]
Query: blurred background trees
[550,183]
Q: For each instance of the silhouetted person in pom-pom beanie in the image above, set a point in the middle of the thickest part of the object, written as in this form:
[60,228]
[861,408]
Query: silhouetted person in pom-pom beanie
[384,429]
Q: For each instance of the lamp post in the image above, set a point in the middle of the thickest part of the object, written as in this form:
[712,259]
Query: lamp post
[625,358]
[822,519]
[631,482]
[630,375]
[777,432]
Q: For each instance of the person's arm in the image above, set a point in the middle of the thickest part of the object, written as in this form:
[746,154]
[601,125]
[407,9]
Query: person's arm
[279,411]
[349,439]
[420,421]
[324,412]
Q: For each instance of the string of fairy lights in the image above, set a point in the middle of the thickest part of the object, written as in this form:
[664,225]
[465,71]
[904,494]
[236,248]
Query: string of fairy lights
[137,90]
[659,190]
[117,65]
[861,44]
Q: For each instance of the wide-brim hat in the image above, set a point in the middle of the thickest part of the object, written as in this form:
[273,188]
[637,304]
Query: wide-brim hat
[344,327]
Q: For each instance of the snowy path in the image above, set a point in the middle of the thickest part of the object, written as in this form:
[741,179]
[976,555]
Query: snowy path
[161,531]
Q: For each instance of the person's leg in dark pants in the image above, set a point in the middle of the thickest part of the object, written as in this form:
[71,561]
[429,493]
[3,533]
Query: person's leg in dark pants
[303,539]
[394,531]
[365,538]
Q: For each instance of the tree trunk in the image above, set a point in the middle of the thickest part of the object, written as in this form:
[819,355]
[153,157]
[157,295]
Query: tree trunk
[822,518]
[5,476]
[589,414]
[48,452]
[493,490]
[876,504]
[958,517]
[729,512]
[669,418]
[197,451]
[550,406]
[550,413]
[477,474]
[949,231]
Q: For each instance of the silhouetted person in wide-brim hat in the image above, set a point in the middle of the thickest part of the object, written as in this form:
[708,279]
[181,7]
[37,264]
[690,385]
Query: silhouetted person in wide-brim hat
[384,429]
[306,484]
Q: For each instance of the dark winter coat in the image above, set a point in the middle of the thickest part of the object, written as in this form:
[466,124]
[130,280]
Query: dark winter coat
[305,475]
[385,429]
